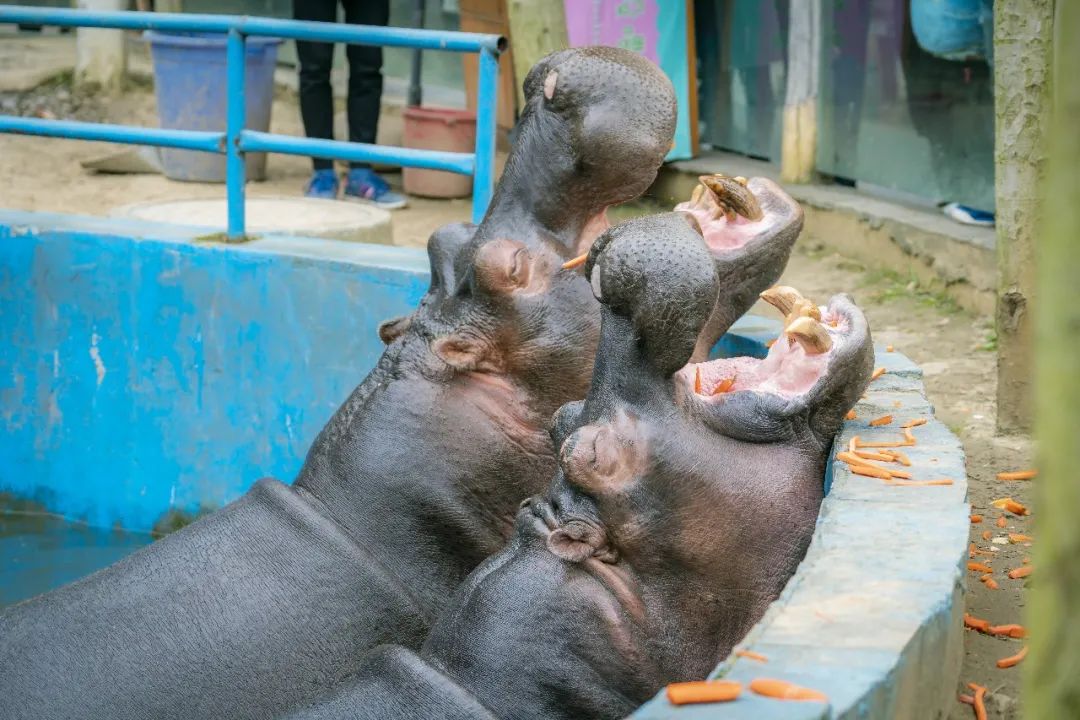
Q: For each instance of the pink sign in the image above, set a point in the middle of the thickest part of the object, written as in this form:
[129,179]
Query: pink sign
[629,24]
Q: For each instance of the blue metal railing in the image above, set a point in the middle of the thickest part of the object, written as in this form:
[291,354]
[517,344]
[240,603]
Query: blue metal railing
[235,140]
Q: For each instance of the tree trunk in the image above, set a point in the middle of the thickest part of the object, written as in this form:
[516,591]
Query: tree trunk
[1022,57]
[799,135]
[1052,673]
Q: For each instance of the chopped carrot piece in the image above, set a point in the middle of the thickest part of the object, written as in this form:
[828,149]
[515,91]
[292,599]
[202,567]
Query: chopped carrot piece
[724,386]
[980,706]
[914,423]
[976,519]
[980,567]
[1018,538]
[921,483]
[703,691]
[1020,572]
[1019,475]
[1009,505]
[901,457]
[966,699]
[878,373]
[991,583]
[986,577]
[576,262]
[865,455]
[883,444]
[888,348]
[1014,631]
[971,550]
[982,552]
[697,379]
[1000,522]
[987,535]
[1008,662]
[868,471]
[970,621]
[909,437]
[751,655]
[879,422]
[783,690]
[850,414]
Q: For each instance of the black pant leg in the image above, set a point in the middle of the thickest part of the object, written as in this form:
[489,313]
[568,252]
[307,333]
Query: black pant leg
[316,61]
[365,72]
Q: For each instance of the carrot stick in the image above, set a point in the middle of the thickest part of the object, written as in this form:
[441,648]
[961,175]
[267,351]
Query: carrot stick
[914,423]
[980,567]
[703,691]
[878,373]
[980,707]
[976,519]
[874,456]
[724,386]
[888,348]
[991,583]
[783,690]
[1009,505]
[1018,538]
[883,444]
[987,535]
[980,552]
[853,443]
[868,471]
[850,415]
[966,699]
[879,422]
[986,577]
[901,457]
[1014,631]
[1000,522]
[697,380]
[909,437]
[971,550]
[920,483]
[1012,660]
[1020,572]
[751,655]
[970,621]
[1018,475]
[576,262]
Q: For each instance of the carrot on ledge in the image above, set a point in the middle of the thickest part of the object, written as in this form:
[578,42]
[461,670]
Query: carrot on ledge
[703,691]
[784,690]
[1008,662]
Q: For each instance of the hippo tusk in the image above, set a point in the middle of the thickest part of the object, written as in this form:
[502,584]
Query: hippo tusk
[733,194]
[576,262]
[810,334]
[783,298]
[695,197]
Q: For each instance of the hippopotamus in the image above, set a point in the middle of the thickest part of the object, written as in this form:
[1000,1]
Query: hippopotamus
[685,496]
[413,482]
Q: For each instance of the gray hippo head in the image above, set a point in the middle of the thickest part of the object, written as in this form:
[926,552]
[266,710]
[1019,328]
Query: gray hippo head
[685,497]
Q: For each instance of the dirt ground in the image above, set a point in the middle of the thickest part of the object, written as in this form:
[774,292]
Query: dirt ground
[954,348]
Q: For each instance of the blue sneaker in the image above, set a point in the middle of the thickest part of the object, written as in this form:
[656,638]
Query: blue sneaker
[365,185]
[323,184]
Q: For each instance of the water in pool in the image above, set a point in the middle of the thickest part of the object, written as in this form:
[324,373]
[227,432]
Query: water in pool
[39,552]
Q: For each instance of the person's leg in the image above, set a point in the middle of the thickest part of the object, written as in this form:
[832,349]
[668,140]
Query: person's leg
[316,60]
[365,71]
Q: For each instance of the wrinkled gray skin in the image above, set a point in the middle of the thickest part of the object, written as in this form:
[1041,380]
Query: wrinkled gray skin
[415,480]
[661,540]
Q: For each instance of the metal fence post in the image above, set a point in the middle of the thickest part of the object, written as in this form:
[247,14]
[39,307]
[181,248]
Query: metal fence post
[487,96]
[234,157]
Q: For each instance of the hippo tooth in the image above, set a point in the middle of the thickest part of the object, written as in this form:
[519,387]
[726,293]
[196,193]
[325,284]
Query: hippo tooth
[802,308]
[741,180]
[734,195]
[783,298]
[695,197]
[809,333]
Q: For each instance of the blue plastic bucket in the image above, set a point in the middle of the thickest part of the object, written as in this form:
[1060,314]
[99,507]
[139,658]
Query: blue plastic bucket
[190,82]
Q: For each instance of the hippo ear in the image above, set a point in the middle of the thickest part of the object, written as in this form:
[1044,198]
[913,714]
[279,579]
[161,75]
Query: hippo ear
[391,330]
[465,353]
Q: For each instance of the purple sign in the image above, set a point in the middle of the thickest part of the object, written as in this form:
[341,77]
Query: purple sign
[629,24]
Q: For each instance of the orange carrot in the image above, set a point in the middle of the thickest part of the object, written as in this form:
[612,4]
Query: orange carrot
[1009,505]
[909,437]
[1014,631]
[883,444]
[868,471]
[1018,538]
[888,348]
[1012,660]
[1020,572]
[697,380]
[914,423]
[878,373]
[724,386]
[991,583]
[853,443]
[921,483]
[1000,522]
[970,621]
[1018,475]
[981,552]
[751,655]
[874,456]
[971,550]
[783,690]
[980,707]
[576,262]
[986,577]
[901,457]
[987,535]
[879,422]
[980,567]
[966,699]
[850,415]
[976,519]
[703,691]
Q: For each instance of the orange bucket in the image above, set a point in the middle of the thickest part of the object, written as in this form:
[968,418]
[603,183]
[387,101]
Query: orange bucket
[435,128]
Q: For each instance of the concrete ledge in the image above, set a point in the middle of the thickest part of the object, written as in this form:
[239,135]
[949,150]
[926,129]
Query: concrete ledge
[872,617]
[878,233]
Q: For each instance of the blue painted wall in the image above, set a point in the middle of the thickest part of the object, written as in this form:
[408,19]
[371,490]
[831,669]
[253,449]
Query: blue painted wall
[142,370]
